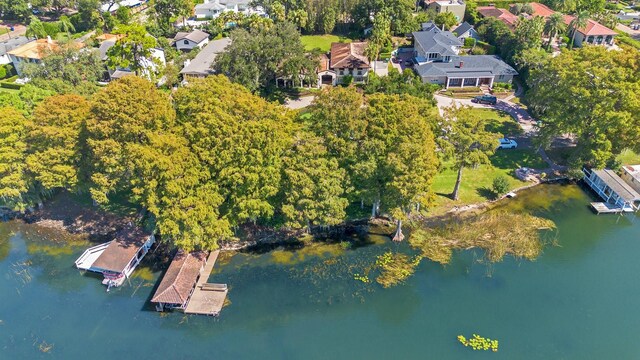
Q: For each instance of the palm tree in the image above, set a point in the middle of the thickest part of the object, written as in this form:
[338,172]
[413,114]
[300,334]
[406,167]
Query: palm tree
[578,22]
[555,25]
[36,28]
[65,25]
[371,52]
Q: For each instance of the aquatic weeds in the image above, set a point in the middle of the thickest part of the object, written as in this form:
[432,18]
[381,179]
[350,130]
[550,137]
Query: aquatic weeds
[45,347]
[22,272]
[364,278]
[395,268]
[479,343]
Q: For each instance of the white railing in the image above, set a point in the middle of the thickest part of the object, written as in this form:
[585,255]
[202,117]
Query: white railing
[90,255]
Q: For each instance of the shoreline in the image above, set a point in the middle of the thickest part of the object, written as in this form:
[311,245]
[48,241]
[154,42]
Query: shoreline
[65,214]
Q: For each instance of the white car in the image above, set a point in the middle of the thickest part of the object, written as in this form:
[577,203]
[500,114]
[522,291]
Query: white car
[506,143]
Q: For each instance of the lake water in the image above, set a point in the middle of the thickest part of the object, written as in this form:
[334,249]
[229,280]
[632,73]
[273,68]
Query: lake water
[579,300]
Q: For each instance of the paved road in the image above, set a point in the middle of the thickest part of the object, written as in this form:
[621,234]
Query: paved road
[18,30]
[299,103]
[634,33]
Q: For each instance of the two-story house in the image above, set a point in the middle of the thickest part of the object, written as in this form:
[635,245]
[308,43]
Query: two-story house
[348,59]
[186,41]
[438,62]
[456,7]
[433,44]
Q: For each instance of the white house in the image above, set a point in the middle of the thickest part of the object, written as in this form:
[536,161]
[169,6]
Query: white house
[186,41]
[10,44]
[213,8]
[201,65]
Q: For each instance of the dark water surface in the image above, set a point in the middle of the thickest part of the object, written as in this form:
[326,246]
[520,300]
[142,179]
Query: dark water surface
[579,300]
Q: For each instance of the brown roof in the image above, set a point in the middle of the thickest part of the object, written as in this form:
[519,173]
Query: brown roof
[324,63]
[502,14]
[197,36]
[111,37]
[122,249]
[180,278]
[349,55]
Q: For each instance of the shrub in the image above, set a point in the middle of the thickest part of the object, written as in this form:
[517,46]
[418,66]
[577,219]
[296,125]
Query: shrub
[347,80]
[469,42]
[3,72]
[500,185]
[8,85]
[478,51]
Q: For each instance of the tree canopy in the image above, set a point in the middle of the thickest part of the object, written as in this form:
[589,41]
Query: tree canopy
[257,57]
[591,93]
[13,180]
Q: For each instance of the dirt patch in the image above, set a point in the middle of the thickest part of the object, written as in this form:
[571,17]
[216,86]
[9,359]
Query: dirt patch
[63,212]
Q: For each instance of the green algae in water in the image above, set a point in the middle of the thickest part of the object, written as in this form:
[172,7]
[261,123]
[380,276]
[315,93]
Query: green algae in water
[144,273]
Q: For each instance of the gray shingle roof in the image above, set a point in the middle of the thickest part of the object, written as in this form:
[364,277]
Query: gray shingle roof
[463,28]
[435,40]
[474,66]
[104,48]
[201,64]
[10,44]
[197,36]
[619,186]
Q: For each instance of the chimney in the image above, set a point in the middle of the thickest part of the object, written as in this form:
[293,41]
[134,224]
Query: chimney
[461,64]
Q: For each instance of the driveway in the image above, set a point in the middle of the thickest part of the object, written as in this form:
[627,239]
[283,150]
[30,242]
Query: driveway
[299,103]
[518,113]
[633,33]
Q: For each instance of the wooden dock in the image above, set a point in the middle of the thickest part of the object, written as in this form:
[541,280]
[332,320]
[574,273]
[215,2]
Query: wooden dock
[207,299]
[605,208]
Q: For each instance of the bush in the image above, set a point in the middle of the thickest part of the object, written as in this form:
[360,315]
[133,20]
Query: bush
[347,80]
[8,85]
[500,185]
[3,72]
[478,51]
[469,42]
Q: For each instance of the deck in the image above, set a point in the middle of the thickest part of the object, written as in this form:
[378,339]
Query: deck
[606,208]
[207,299]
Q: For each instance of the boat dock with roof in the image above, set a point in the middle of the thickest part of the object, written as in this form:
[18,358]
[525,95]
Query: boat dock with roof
[184,286]
[117,259]
[617,194]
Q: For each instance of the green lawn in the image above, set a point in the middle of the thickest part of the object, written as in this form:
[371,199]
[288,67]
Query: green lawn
[476,183]
[499,122]
[628,157]
[322,42]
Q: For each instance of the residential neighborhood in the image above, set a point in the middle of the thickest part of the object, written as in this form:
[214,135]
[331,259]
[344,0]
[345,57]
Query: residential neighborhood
[238,175]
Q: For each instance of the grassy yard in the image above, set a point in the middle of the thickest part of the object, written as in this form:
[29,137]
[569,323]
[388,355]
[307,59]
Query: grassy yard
[476,183]
[499,122]
[322,42]
[628,157]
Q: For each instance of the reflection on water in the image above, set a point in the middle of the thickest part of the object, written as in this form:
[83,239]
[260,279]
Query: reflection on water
[578,300]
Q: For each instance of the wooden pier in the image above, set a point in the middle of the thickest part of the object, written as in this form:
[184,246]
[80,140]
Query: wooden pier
[605,208]
[207,298]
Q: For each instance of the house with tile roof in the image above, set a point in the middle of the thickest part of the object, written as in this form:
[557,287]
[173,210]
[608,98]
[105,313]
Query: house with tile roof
[348,59]
[501,14]
[592,34]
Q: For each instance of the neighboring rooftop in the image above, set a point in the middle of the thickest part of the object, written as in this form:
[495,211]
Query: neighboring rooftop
[34,49]
[434,40]
[122,249]
[349,55]
[104,48]
[472,66]
[502,14]
[197,36]
[180,278]
[540,10]
[10,44]
[462,29]
[201,64]
[593,28]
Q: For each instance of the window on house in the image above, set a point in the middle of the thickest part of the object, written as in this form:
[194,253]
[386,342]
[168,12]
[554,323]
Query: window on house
[186,42]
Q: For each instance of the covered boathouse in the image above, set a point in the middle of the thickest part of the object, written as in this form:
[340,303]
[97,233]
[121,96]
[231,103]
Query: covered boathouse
[618,196]
[117,259]
[184,286]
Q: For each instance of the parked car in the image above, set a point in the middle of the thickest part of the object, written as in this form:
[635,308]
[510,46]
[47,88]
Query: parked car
[506,143]
[485,99]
